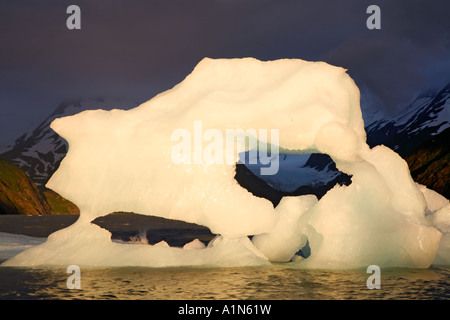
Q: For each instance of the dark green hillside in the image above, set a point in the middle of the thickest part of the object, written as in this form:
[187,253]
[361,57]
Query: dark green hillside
[18,194]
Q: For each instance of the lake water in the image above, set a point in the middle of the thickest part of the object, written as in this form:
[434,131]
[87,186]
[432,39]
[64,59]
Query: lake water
[275,282]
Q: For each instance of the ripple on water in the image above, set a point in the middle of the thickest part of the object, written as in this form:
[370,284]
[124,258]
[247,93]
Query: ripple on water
[256,283]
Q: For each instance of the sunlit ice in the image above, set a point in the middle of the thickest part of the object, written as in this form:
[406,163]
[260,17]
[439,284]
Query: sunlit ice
[213,147]
[124,161]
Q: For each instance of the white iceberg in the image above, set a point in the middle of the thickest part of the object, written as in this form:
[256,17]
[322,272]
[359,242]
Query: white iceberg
[122,161]
[12,244]
[438,213]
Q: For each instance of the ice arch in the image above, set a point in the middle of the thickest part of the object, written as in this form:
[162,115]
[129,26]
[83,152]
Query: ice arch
[298,174]
[121,161]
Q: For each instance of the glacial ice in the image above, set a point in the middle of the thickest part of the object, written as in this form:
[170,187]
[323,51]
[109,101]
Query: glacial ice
[121,161]
[438,213]
[13,244]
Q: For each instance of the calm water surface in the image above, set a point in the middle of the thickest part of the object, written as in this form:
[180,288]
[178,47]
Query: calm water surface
[258,283]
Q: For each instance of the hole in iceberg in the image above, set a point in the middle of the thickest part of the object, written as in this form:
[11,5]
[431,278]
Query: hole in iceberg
[304,252]
[298,174]
[143,229]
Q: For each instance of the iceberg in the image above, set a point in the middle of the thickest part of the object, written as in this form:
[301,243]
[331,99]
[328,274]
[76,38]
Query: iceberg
[12,244]
[438,213]
[124,161]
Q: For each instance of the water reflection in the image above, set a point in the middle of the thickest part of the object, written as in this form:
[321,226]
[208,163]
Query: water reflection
[258,283]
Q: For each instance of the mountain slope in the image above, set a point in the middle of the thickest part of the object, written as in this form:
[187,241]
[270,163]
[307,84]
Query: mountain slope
[425,117]
[430,163]
[18,194]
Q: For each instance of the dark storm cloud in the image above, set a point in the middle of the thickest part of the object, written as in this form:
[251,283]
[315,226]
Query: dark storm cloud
[135,49]
[409,55]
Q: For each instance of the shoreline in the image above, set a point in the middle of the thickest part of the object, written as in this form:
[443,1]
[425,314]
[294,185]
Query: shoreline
[39,226]
[123,226]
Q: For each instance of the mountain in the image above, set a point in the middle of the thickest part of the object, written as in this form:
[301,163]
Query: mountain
[40,151]
[298,174]
[425,117]
[18,194]
[59,204]
[421,135]
[430,163]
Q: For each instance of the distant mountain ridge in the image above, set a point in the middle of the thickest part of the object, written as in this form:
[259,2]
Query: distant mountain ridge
[426,116]
[421,135]
[430,163]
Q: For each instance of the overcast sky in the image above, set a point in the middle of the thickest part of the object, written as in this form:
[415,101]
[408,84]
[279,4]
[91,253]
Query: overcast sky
[135,49]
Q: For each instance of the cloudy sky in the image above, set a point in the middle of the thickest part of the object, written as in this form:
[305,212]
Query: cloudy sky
[134,49]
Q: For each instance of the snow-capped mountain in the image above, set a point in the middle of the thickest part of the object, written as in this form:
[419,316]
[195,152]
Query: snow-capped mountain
[298,174]
[426,116]
[40,151]
[297,170]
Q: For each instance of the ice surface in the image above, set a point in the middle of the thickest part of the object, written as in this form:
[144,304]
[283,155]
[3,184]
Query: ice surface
[287,237]
[122,161]
[13,244]
[86,244]
[194,245]
[438,213]
[434,200]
